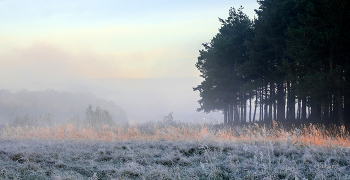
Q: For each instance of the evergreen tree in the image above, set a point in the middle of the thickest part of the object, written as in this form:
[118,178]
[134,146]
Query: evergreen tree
[295,49]
[218,62]
[319,46]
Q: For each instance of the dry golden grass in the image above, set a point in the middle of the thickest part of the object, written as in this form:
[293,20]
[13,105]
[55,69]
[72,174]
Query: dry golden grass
[308,135]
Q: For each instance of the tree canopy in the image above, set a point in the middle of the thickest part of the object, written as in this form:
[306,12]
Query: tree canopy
[291,63]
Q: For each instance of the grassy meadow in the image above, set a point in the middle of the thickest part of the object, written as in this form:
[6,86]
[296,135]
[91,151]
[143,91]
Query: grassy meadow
[174,150]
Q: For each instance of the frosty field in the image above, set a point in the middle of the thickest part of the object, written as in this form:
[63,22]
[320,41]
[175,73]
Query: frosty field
[173,151]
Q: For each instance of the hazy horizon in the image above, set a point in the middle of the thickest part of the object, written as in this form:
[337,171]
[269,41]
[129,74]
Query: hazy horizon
[124,51]
[143,99]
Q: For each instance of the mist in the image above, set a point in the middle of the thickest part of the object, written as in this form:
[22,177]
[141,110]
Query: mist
[142,99]
[51,107]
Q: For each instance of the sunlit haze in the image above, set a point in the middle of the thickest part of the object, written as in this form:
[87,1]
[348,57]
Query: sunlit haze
[139,54]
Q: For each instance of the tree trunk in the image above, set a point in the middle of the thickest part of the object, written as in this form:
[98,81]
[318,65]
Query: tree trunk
[256,105]
[275,110]
[347,102]
[340,108]
[265,107]
[335,110]
[280,103]
[250,110]
[236,120]
[275,107]
[331,109]
[288,119]
[318,113]
[325,117]
[309,107]
[315,111]
[231,115]
[292,103]
[347,110]
[245,111]
[242,111]
[299,109]
[303,109]
[270,101]
[225,115]
[261,105]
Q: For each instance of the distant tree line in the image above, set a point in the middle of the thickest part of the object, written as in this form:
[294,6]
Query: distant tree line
[93,118]
[56,106]
[30,121]
[291,62]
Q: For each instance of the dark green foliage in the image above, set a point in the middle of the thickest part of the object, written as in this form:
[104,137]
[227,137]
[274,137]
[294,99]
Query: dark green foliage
[219,62]
[292,62]
[320,50]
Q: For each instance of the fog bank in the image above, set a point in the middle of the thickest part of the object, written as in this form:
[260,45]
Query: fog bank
[143,99]
[61,105]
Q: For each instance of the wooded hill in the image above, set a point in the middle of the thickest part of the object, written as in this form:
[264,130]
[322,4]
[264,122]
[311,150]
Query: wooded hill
[291,63]
[55,107]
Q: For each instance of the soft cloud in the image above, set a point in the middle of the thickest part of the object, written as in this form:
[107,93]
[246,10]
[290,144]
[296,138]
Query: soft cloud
[57,40]
[50,62]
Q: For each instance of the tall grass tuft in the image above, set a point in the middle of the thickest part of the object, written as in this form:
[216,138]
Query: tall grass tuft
[316,135]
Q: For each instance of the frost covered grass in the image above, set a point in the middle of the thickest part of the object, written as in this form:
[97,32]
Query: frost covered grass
[174,151]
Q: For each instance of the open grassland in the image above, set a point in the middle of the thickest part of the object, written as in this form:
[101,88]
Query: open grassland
[174,151]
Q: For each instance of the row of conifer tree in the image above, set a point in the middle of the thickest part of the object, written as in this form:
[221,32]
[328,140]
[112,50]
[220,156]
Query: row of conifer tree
[291,63]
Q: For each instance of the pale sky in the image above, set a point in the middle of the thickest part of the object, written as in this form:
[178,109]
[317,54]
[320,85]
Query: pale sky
[43,42]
